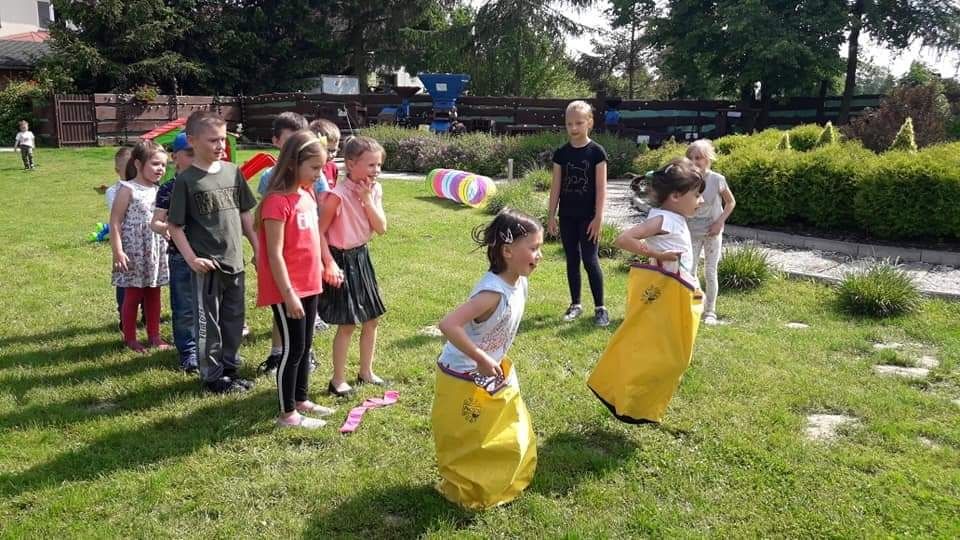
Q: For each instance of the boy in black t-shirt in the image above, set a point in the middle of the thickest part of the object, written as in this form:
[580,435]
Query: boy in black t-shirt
[579,188]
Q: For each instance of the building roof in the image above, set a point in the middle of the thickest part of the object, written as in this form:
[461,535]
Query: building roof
[19,54]
[35,37]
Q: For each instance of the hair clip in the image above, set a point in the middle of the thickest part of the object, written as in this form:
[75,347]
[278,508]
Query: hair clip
[506,236]
[666,170]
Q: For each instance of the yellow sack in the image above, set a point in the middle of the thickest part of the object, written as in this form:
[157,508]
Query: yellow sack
[486,448]
[646,357]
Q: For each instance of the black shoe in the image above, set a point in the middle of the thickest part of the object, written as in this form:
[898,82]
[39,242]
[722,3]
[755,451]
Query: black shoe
[247,384]
[223,385]
[190,369]
[362,381]
[269,366]
[333,391]
[601,317]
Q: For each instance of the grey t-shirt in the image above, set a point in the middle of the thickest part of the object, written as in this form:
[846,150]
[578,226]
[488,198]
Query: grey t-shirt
[712,206]
[208,206]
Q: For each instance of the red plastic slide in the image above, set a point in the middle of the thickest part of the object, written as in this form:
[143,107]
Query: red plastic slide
[257,163]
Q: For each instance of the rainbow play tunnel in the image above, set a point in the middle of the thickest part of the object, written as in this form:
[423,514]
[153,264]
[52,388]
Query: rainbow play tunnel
[462,187]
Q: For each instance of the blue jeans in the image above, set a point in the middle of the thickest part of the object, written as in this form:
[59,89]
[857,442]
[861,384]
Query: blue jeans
[181,306]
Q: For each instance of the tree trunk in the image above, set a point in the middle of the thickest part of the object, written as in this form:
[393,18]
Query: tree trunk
[821,102]
[765,98]
[359,57]
[632,61]
[850,85]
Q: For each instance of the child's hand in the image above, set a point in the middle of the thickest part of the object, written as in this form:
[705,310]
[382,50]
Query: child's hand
[593,229]
[552,226]
[201,265]
[489,367]
[715,228]
[666,256]
[366,190]
[294,308]
[333,275]
[121,263]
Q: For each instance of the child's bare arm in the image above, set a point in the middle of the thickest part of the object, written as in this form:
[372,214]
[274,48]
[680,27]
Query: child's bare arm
[593,229]
[246,221]
[729,203]
[632,240]
[331,271]
[158,223]
[478,308]
[117,213]
[554,200]
[374,209]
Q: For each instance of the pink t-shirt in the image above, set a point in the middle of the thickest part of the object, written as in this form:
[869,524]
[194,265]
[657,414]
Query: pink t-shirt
[301,246]
[350,228]
[332,173]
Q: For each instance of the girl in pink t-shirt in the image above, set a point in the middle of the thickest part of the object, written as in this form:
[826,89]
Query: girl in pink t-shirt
[351,213]
[289,276]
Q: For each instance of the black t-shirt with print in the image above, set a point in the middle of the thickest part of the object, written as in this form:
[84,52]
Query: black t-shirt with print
[578,178]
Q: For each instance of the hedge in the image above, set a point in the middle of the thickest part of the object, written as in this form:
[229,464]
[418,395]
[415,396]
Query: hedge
[420,151]
[840,187]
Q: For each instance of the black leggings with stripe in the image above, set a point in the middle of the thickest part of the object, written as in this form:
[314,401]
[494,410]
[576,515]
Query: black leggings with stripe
[296,336]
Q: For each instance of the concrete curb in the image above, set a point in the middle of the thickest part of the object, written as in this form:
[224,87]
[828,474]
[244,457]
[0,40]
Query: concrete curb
[860,251]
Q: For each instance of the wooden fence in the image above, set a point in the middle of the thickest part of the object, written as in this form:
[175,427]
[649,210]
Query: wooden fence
[118,118]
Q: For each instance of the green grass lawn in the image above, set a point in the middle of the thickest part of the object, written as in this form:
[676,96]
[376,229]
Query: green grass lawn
[96,441]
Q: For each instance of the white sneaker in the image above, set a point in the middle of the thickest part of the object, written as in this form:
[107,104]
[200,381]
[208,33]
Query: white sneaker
[320,325]
[304,422]
[573,312]
[710,319]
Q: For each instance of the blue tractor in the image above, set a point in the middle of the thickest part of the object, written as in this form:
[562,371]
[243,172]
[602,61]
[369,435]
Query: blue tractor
[444,88]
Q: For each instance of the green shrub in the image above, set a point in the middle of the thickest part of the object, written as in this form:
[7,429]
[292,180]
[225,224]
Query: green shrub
[784,144]
[828,136]
[540,179]
[389,137]
[621,153]
[822,179]
[881,291]
[905,141]
[608,235]
[16,103]
[479,153]
[908,195]
[519,196]
[744,267]
[533,151]
[804,138]
[759,181]
[418,154]
[654,159]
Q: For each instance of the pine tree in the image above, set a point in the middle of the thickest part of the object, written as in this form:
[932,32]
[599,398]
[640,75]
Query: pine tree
[905,140]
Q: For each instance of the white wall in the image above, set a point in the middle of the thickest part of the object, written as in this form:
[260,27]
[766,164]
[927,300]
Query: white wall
[18,16]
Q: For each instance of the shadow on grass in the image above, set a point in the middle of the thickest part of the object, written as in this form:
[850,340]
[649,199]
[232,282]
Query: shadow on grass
[91,372]
[577,328]
[417,341]
[446,204]
[57,335]
[220,420]
[565,459]
[58,415]
[390,512]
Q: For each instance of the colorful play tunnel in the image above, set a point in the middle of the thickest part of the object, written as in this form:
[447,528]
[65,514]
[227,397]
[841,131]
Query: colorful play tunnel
[460,186]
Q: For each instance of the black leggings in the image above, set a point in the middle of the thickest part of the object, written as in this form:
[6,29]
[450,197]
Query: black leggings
[296,337]
[576,246]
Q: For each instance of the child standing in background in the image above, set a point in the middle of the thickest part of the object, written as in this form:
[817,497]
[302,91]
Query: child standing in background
[579,189]
[25,142]
[706,226]
[181,277]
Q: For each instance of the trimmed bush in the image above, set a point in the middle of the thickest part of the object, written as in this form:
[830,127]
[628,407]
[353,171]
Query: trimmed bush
[654,159]
[881,291]
[479,153]
[540,179]
[828,136]
[533,151]
[804,138]
[745,267]
[759,180]
[911,195]
[819,181]
[905,141]
[784,144]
